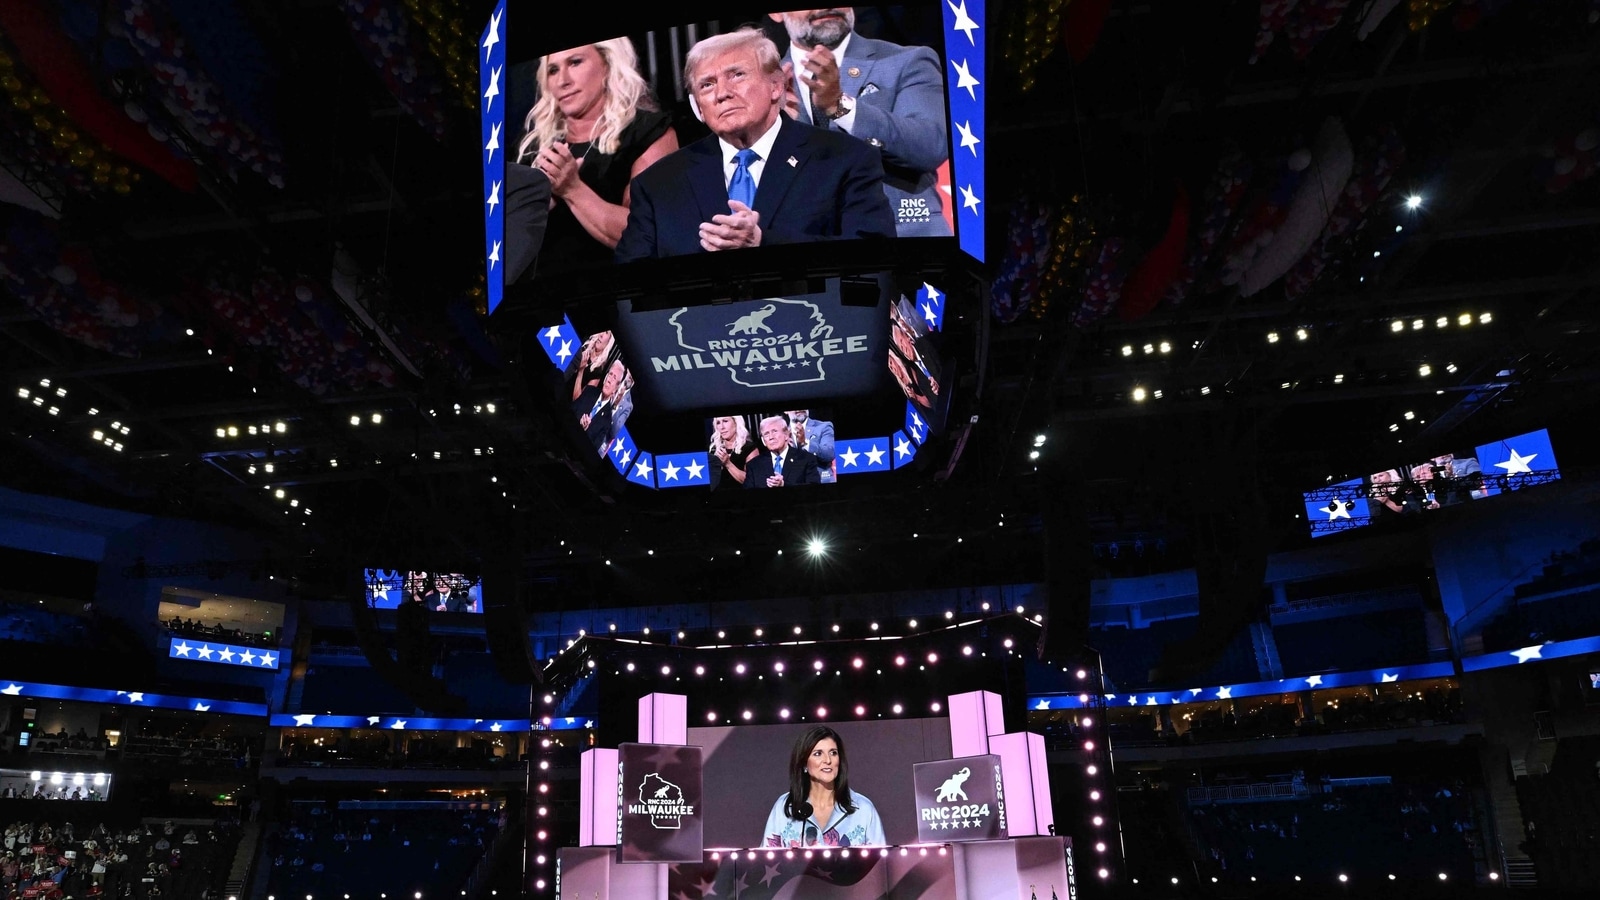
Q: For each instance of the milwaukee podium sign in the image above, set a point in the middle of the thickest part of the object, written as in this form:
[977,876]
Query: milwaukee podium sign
[660,814]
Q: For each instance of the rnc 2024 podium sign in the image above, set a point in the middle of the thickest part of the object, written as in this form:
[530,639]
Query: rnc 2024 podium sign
[660,811]
[959,800]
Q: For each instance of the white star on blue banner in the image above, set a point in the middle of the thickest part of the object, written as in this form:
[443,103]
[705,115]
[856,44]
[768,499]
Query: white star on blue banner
[227,654]
[622,451]
[643,470]
[683,469]
[964,92]
[491,72]
[1338,507]
[930,307]
[903,449]
[863,455]
[1524,460]
[561,343]
[916,426]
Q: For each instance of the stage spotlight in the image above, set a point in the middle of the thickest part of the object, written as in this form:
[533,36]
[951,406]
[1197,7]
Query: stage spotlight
[1414,201]
[816,547]
[1272,337]
[1397,326]
[1138,395]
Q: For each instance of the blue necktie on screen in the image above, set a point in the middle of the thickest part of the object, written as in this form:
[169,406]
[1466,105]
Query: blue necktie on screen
[742,186]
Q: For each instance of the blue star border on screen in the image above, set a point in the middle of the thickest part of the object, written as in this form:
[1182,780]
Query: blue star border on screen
[965,74]
[270,659]
[492,114]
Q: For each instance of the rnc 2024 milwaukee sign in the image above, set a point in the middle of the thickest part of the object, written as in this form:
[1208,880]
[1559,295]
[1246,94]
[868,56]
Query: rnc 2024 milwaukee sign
[763,351]
[959,799]
[659,810]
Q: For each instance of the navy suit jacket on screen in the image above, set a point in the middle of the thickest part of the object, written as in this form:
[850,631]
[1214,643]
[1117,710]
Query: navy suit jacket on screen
[818,185]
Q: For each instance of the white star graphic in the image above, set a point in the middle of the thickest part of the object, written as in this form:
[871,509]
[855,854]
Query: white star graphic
[494,34]
[1386,678]
[226,655]
[670,471]
[205,651]
[1194,692]
[305,719]
[247,658]
[933,292]
[12,690]
[135,696]
[1133,701]
[642,469]
[1527,653]
[694,469]
[928,313]
[495,727]
[849,458]
[551,334]
[964,22]
[616,447]
[268,660]
[903,449]
[494,255]
[182,648]
[494,88]
[772,873]
[964,78]
[494,197]
[626,456]
[399,725]
[1150,701]
[1314,681]
[969,141]
[494,142]
[875,456]
[1043,704]
[372,720]
[380,591]
[969,200]
[564,352]
[916,421]
[201,707]
[1517,463]
[1338,509]
[1225,693]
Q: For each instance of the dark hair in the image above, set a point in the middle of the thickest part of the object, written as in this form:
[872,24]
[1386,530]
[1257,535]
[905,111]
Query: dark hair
[800,781]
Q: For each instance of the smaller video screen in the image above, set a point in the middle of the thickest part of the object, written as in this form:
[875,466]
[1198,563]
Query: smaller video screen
[599,387]
[1416,488]
[438,591]
[770,449]
[913,358]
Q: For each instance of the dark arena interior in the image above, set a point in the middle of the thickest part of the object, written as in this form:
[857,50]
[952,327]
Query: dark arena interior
[1203,486]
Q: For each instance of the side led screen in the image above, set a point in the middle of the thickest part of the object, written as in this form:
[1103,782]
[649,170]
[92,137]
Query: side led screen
[1417,488]
[438,591]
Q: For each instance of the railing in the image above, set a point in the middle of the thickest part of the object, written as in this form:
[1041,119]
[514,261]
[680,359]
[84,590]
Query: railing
[1248,793]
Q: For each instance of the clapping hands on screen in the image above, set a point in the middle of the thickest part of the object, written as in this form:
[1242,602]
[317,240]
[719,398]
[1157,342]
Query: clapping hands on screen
[558,164]
[739,228]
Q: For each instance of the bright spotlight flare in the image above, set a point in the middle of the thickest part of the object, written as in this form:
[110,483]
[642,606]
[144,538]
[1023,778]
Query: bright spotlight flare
[1414,201]
[816,547]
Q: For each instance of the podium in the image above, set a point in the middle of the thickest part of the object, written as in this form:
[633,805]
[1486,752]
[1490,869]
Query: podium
[1031,868]
[1007,856]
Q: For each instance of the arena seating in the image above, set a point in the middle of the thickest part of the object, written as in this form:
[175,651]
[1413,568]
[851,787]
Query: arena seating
[186,862]
[1562,809]
[1413,830]
[1130,654]
[1344,643]
[327,851]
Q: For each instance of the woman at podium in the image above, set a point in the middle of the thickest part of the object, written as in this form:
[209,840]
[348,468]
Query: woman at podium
[820,809]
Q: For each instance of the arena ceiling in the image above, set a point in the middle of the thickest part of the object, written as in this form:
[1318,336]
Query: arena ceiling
[410,428]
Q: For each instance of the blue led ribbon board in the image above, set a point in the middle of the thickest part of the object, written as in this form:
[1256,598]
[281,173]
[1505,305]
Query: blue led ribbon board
[224,654]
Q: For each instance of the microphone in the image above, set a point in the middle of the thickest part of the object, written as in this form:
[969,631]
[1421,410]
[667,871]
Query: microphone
[804,811]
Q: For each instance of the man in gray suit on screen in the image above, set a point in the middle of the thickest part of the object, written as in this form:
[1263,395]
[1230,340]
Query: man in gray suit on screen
[889,96]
